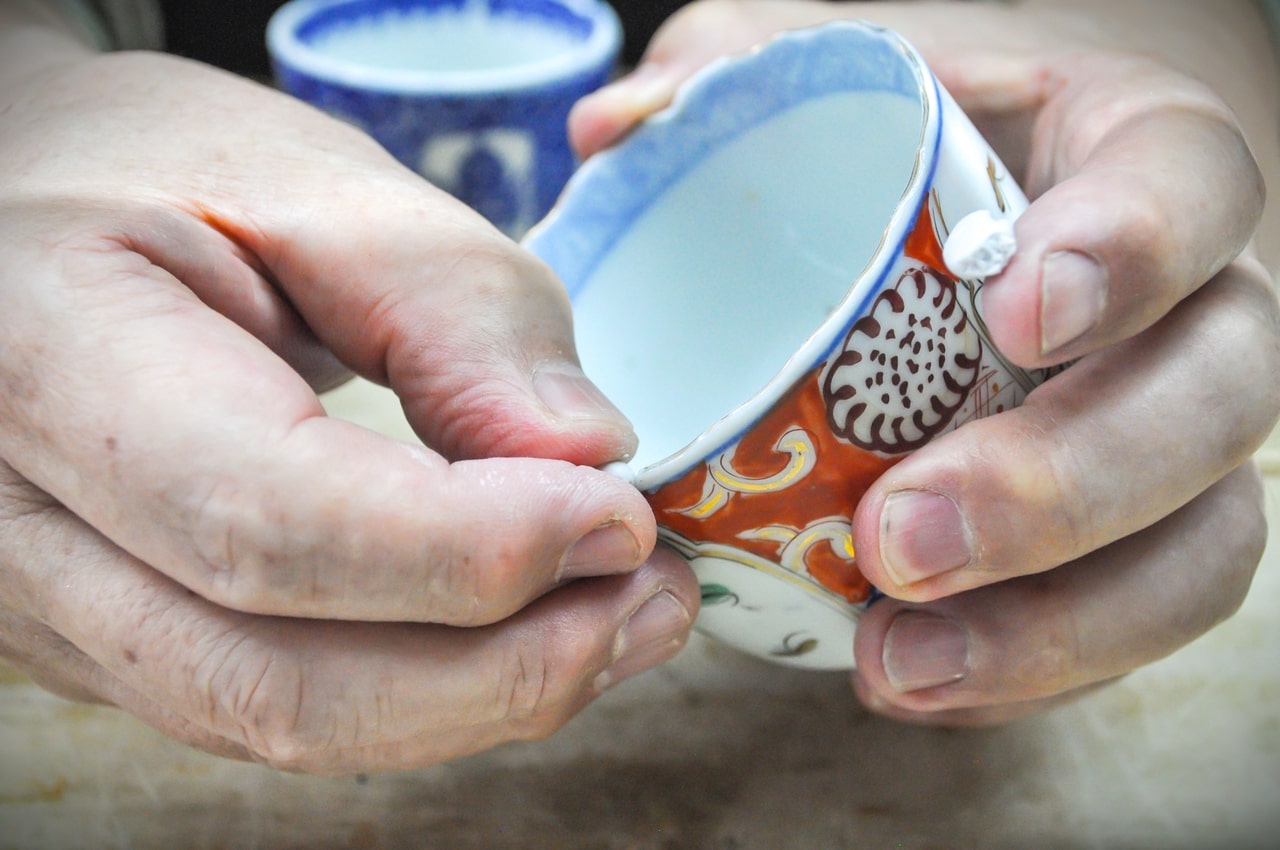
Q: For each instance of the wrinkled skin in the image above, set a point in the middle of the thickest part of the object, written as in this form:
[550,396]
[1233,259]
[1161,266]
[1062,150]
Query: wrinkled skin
[187,257]
[1035,555]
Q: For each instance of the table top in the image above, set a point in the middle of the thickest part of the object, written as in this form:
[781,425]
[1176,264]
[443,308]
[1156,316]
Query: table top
[714,750]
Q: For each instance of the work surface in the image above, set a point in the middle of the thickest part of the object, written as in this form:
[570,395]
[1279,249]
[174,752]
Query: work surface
[712,751]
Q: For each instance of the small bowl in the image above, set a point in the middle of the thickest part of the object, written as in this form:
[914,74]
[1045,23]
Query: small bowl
[759,282]
[474,95]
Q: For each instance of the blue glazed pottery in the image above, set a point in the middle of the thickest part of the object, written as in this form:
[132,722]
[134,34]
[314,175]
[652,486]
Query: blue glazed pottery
[471,94]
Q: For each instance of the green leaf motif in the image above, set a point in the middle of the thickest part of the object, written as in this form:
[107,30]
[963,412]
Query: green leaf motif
[718,594]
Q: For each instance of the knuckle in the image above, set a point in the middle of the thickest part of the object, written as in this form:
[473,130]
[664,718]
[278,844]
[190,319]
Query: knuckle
[30,527]
[1246,541]
[1240,335]
[491,271]
[239,561]
[464,586]
[710,12]
[1052,663]
[1034,493]
[476,419]
[515,316]
[1046,670]
[535,690]
[260,693]
[477,577]
[216,529]
[1148,243]
[522,684]
[1149,229]
[455,590]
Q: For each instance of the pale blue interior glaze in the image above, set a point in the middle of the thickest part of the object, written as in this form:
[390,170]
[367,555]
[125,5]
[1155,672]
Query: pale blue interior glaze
[726,246]
[587,33]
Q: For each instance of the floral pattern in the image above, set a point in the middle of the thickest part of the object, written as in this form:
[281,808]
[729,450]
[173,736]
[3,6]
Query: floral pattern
[916,364]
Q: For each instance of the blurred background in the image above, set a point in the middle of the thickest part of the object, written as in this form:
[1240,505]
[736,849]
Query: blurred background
[229,33]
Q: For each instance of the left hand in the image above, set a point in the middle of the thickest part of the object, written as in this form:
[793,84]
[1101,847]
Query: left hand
[185,258]
[1116,515]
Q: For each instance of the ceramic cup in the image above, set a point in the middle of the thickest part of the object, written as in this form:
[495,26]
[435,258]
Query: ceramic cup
[472,94]
[759,282]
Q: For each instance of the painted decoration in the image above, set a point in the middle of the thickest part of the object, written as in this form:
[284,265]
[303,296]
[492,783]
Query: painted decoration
[917,364]
[772,423]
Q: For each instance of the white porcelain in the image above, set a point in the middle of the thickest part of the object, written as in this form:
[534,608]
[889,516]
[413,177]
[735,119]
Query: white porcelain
[758,282]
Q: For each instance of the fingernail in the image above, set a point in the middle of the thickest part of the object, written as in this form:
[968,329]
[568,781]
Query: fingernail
[924,651]
[569,394]
[604,551]
[653,634]
[1073,290]
[922,534]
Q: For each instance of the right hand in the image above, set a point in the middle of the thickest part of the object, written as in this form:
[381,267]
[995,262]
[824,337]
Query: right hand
[185,258]
[1034,555]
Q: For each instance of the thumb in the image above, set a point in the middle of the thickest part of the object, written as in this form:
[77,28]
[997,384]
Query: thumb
[606,115]
[691,38]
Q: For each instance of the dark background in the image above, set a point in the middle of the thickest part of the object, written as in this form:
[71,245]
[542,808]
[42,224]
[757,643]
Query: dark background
[231,33]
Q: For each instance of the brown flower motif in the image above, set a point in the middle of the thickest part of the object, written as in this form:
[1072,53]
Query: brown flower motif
[906,367]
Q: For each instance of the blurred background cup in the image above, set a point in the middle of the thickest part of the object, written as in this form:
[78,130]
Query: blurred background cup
[471,94]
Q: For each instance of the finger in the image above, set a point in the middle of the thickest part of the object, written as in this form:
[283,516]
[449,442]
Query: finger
[230,280]
[339,697]
[474,334]
[987,715]
[194,448]
[402,282]
[1146,188]
[956,42]
[57,666]
[34,527]
[1038,637]
[48,660]
[1113,444]
[694,36]
[1146,184]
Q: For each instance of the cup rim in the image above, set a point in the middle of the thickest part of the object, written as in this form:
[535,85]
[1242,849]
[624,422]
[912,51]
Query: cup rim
[864,285]
[286,48]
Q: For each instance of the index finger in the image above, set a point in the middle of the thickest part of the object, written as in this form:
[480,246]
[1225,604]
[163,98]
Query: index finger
[1146,189]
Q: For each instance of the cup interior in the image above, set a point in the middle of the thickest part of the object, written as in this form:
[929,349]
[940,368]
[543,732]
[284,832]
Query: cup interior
[722,250]
[444,45]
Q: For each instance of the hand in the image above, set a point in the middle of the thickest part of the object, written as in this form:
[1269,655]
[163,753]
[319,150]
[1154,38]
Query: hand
[1033,555]
[185,534]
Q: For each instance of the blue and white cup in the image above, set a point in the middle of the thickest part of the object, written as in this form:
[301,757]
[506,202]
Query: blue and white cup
[474,95]
[779,279]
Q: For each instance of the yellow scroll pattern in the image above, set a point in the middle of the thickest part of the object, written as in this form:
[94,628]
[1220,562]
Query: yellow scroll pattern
[723,480]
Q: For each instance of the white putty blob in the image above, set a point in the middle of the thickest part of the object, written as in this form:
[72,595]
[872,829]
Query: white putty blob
[618,469]
[980,245]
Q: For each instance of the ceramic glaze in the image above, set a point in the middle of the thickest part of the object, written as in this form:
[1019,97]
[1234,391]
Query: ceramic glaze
[447,40]
[785,235]
[759,282]
[474,95]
